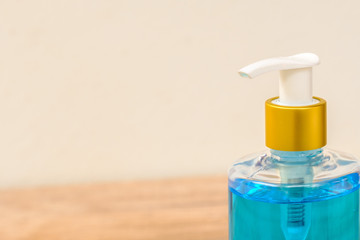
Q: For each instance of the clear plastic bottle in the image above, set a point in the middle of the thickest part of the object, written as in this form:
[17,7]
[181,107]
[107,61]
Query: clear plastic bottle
[322,204]
[296,190]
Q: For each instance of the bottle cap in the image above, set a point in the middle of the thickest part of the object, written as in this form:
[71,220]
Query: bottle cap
[295,121]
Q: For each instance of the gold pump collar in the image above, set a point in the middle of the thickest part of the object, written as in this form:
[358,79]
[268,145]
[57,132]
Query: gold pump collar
[295,128]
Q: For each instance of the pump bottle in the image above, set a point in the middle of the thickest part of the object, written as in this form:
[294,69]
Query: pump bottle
[296,189]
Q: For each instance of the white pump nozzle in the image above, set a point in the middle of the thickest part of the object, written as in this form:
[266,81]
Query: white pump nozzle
[295,85]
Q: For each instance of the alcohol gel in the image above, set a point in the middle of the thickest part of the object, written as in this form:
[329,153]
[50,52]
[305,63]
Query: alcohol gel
[296,190]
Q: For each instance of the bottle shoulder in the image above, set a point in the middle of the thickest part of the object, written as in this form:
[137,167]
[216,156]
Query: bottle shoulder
[264,166]
[291,177]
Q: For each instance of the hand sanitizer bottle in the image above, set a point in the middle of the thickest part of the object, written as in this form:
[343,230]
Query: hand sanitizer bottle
[297,189]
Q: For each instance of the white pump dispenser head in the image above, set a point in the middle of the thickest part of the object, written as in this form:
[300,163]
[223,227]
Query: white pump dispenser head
[295,85]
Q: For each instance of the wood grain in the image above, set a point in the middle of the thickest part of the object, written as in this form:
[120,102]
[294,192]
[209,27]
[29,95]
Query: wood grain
[191,209]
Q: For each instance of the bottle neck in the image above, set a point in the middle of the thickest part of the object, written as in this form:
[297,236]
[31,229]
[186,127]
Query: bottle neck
[296,167]
[311,157]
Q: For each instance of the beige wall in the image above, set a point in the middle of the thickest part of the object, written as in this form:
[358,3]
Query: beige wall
[109,90]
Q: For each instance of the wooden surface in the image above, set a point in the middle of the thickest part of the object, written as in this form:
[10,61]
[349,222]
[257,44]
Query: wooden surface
[189,209]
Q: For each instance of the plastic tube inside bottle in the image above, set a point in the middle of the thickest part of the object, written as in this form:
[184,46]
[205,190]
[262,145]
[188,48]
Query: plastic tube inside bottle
[296,217]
